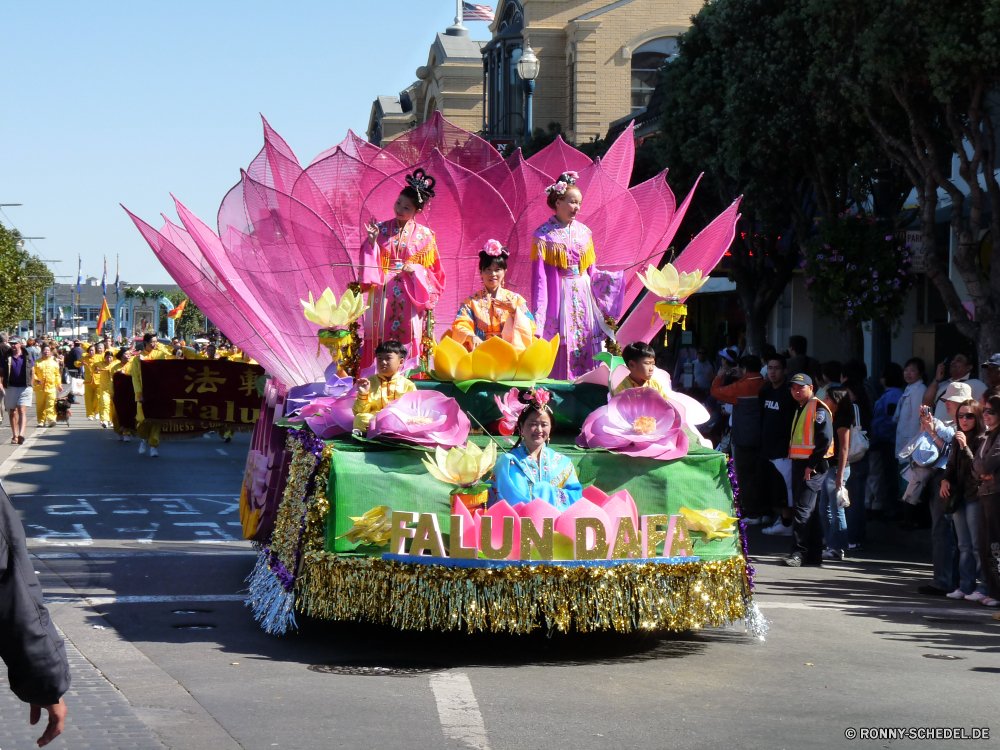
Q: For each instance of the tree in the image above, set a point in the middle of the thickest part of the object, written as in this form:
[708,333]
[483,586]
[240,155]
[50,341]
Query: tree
[924,75]
[191,321]
[741,105]
[23,275]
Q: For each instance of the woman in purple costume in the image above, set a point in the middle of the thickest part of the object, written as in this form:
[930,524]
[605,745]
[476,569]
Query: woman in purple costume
[562,267]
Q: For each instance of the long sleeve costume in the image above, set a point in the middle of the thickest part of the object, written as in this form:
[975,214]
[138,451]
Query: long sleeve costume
[518,478]
[480,316]
[398,301]
[46,381]
[383,392]
[148,432]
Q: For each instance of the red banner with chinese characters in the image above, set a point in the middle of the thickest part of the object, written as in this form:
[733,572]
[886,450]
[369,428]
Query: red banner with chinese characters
[192,395]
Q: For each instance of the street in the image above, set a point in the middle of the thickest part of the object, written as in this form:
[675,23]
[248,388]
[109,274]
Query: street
[143,566]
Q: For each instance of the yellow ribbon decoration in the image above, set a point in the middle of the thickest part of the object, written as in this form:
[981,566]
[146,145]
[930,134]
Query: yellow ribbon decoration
[374,527]
[671,312]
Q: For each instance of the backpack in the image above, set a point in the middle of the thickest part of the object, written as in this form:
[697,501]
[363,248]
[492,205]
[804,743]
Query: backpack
[859,439]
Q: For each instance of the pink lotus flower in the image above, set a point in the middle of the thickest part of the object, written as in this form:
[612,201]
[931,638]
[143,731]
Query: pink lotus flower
[637,422]
[424,418]
[510,407]
[329,416]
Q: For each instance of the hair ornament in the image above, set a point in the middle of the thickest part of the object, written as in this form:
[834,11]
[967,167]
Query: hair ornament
[494,249]
[537,398]
[422,183]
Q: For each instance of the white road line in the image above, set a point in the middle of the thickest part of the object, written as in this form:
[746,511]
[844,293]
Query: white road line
[875,609]
[103,601]
[458,709]
[11,461]
[219,450]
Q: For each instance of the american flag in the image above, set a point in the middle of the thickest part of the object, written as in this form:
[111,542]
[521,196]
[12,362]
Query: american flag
[472,12]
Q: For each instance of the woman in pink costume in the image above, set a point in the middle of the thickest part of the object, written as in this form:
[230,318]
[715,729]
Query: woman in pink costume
[562,266]
[401,271]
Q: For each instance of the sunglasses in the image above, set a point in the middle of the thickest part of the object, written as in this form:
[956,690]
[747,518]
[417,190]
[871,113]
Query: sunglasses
[966,415]
[991,412]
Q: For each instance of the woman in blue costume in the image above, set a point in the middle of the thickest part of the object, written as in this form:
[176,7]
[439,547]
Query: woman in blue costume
[531,469]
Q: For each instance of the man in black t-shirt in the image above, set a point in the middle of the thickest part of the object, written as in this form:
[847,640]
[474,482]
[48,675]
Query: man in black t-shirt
[74,360]
[777,410]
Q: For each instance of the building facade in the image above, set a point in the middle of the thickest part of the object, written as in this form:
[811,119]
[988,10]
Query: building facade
[599,62]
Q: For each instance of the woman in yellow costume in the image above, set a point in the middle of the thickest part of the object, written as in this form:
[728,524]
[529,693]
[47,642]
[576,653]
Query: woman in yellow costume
[494,310]
[105,389]
[149,434]
[92,380]
[45,379]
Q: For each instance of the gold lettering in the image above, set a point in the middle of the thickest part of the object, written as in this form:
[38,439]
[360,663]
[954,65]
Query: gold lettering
[600,549]
[183,410]
[486,538]
[401,531]
[210,412]
[628,543]
[244,412]
[230,412]
[427,536]
[535,546]
[678,538]
[651,534]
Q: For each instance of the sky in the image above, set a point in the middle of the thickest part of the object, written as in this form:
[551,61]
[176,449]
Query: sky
[114,103]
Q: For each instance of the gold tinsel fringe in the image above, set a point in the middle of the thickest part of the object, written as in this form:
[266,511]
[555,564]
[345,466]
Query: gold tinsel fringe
[625,598]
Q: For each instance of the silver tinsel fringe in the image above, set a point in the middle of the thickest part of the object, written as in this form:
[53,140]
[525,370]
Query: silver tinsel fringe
[272,606]
[756,624]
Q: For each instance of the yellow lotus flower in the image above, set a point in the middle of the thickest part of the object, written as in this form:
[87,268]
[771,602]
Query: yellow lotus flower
[670,284]
[714,524]
[494,360]
[462,467]
[374,527]
[327,313]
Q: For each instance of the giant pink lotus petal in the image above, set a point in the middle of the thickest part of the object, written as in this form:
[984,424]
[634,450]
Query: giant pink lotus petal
[426,418]
[618,505]
[327,417]
[620,158]
[276,165]
[704,253]
[537,510]
[354,146]
[517,181]
[583,508]
[637,422]
[437,134]
[559,157]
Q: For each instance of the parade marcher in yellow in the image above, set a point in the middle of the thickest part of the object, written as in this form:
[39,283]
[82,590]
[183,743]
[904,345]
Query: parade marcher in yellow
[97,364]
[104,388]
[376,392]
[92,379]
[45,379]
[149,434]
[640,359]
[123,365]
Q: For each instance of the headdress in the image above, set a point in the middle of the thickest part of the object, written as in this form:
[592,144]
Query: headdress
[494,249]
[566,180]
[422,184]
[536,398]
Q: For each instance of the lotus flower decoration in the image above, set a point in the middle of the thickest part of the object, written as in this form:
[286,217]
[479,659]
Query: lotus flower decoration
[329,416]
[494,360]
[424,418]
[709,524]
[673,288]
[510,407]
[463,468]
[637,422]
[284,231]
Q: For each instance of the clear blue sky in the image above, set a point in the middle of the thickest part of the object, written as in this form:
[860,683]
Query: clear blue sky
[125,102]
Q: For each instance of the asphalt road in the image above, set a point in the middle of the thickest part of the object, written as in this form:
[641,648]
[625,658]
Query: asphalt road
[142,562]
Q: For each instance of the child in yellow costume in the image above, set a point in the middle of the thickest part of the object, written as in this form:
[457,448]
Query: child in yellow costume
[104,388]
[150,434]
[45,379]
[123,364]
[376,392]
[640,359]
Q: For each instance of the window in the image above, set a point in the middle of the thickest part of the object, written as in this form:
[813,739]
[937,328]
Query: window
[646,63]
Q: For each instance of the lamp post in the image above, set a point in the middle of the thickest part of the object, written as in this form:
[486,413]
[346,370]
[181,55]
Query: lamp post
[527,69]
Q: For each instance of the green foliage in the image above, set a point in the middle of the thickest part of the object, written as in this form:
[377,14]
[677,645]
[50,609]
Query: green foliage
[191,321]
[23,275]
[855,269]
[143,295]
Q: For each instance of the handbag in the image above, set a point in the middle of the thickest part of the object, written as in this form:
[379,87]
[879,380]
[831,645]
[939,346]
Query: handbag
[859,439]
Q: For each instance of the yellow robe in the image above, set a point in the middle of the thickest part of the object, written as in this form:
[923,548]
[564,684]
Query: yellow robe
[106,389]
[89,386]
[629,383]
[149,433]
[383,392]
[45,379]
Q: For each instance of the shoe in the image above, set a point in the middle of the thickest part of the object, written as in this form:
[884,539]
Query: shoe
[855,547]
[793,561]
[41,424]
[121,438]
[975,596]
[20,439]
[930,590]
[51,424]
[990,602]
[142,447]
[153,453]
[833,554]
[127,438]
[104,424]
[958,594]
[752,521]
[767,520]
[228,440]
[779,529]
[91,417]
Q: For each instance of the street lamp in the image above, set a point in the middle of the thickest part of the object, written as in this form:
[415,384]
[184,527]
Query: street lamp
[527,69]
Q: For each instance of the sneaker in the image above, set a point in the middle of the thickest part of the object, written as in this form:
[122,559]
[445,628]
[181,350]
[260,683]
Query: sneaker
[779,529]
[958,594]
[142,447]
[793,561]
[930,590]
[91,417]
[228,440]
[833,554]
[767,520]
[990,602]
[153,453]
[41,424]
[104,424]
[127,438]
[51,424]
[752,521]
[975,596]
[855,547]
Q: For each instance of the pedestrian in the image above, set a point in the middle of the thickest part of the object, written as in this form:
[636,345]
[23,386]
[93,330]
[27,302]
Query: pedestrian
[908,411]
[745,434]
[45,379]
[37,667]
[987,468]
[704,372]
[829,375]
[777,411]
[831,512]
[944,554]
[960,370]
[4,353]
[991,371]
[883,478]
[15,378]
[960,490]
[104,389]
[855,374]
[798,360]
[810,449]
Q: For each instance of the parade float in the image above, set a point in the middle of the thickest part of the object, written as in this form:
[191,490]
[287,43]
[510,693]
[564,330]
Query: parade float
[398,522]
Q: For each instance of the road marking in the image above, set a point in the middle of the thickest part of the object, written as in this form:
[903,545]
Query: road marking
[103,601]
[76,538]
[871,609]
[458,709]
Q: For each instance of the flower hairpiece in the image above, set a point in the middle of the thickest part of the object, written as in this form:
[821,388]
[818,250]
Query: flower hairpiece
[422,183]
[558,188]
[538,397]
[494,248]
[570,177]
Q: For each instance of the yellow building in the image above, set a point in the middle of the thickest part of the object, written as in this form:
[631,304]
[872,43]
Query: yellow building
[599,61]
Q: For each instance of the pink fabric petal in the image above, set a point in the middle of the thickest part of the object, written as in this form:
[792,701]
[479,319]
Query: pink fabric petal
[620,158]
[403,420]
[596,496]
[437,134]
[559,157]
